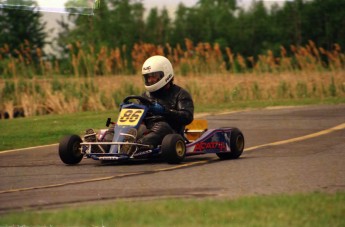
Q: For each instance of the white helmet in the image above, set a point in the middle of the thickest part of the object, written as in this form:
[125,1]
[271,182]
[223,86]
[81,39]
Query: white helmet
[157,64]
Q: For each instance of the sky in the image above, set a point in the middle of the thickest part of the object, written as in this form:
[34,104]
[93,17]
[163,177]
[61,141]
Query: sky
[58,5]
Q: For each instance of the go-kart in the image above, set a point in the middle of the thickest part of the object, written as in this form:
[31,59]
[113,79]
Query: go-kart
[195,139]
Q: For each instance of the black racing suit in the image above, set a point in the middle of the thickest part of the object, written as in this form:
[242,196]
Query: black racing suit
[179,111]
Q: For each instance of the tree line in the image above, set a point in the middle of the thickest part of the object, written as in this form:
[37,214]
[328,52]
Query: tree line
[123,23]
[247,31]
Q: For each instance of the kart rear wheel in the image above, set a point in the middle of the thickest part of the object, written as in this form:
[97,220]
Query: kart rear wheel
[236,145]
[173,148]
[69,150]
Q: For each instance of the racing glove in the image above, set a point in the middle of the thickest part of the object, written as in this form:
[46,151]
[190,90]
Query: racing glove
[157,108]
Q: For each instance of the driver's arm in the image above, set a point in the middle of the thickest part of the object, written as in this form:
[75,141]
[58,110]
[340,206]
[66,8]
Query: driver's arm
[184,112]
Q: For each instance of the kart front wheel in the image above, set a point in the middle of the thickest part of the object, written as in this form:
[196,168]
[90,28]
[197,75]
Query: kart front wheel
[236,145]
[70,150]
[173,148]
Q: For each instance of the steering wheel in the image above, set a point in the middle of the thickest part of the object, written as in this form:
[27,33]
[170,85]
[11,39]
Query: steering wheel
[143,100]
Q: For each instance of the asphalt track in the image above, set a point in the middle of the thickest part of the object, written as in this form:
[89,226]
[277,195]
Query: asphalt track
[288,150]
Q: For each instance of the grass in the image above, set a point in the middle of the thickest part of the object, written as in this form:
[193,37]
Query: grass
[49,129]
[314,209]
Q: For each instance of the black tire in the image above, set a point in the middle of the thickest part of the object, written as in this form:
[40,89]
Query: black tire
[69,150]
[173,148]
[236,145]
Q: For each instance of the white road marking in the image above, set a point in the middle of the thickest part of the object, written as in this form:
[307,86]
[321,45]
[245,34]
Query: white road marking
[28,148]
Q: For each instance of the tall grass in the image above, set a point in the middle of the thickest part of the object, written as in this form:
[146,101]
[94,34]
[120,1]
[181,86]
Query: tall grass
[201,58]
[99,80]
[67,95]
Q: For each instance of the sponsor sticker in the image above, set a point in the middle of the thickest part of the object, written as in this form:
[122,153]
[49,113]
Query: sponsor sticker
[210,146]
[148,68]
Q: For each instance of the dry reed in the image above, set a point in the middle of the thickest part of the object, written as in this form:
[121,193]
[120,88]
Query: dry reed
[97,81]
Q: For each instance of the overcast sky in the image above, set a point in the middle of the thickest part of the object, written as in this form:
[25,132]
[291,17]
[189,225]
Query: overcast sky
[58,5]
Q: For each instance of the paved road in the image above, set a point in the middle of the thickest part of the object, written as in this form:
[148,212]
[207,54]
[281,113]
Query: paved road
[278,158]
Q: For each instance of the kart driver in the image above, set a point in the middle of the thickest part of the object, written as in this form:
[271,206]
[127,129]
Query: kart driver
[173,106]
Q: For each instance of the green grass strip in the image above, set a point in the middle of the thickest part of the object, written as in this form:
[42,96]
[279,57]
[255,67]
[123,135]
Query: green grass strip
[315,209]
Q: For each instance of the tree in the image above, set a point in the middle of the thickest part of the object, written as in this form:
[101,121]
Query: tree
[158,27]
[87,29]
[180,25]
[114,24]
[207,21]
[299,21]
[20,25]
[324,22]
[254,30]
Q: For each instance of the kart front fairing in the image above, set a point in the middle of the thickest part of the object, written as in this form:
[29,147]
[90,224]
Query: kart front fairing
[131,116]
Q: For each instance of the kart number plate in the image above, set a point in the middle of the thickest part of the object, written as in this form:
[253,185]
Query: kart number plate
[130,117]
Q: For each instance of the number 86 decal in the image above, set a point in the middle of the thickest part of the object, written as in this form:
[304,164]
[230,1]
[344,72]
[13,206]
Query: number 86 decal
[130,116]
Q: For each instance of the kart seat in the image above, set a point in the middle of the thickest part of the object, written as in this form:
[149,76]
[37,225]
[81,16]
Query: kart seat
[195,129]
